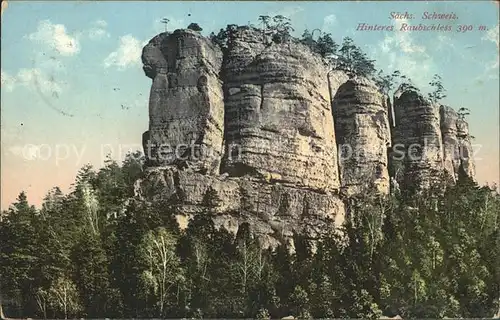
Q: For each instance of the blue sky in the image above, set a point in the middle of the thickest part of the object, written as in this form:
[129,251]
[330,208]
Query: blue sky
[72,78]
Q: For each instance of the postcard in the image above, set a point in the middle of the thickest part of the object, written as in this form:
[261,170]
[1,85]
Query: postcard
[250,160]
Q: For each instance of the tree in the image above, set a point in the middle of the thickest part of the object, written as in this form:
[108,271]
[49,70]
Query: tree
[91,276]
[262,314]
[281,28]
[42,300]
[165,21]
[463,113]
[164,270]
[387,82]
[407,84]
[326,46]
[252,272]
[90,205]
[64,296]
[265,20]
[129,260]
[195,27]
[346,54]
[18,253]
[220,39]
[299,302]
[439,92]
[307,39]
[362,65]
[352,59]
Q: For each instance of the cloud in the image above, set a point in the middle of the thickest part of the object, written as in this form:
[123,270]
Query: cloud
[98,30]
[446,46]
[492,35]
[445,42]
[127,54]
[401,41]
[8,82]
[49,63]
[33,79]
[398,51]
[328,22]
[101,23]
[494,64]
[96,34]
[141,103]
[55,37]
[490,71]
[134,104]
[288,11]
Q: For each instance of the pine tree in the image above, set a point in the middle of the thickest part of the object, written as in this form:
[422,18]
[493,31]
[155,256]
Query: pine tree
[18,253]
[439,92]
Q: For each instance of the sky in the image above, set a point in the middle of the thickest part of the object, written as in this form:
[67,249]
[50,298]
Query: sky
[73,90]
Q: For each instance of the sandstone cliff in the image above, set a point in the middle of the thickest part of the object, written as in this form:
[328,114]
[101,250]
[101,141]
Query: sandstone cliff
[466,152]
[186,108]
[449,119]
[363,132]
[417,144]
[278,113]
[252,134]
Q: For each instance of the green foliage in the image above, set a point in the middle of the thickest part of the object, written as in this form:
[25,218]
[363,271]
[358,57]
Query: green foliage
[64,298]
[325,46]
[220,38]
[439,91]
[91,275]
[353,60]
[388,82]
[385,82]
[262,314]
[299,302]
[158,250]
[278,29]
[463,113]
[281,29]
[195,27]
[430,256]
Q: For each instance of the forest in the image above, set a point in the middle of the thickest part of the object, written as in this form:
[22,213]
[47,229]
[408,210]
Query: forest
[96,252]
[99,252]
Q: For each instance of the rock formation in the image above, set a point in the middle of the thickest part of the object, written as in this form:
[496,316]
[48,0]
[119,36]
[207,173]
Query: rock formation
[279,166]
[417,142]
[186,108]
[252,134]
[363,132]
[451,160]
[466,152]
[278,114]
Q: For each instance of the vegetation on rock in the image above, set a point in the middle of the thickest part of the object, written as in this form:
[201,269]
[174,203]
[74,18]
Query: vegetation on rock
[194,26]
[347,56]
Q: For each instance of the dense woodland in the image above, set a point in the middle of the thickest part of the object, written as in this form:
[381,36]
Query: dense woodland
[91,253]
[98,252]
